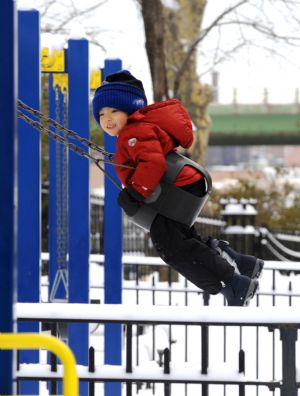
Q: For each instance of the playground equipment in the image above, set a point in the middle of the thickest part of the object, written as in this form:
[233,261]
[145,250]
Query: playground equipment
[69,272]
[52,344]
[68,201]
[7,185]
[68,193]
[268,317]
[171,201]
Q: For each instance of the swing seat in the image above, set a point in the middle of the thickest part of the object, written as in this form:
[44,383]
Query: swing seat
[170,200]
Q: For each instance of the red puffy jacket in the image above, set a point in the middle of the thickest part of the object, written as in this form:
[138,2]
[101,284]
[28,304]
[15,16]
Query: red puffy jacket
[148,136]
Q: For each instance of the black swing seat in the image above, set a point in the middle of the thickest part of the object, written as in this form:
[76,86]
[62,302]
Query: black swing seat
[170,200]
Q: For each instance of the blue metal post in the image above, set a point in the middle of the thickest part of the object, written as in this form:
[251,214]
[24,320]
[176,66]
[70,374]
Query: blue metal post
[79,230]
[8,205]
[29,180]
[113,254]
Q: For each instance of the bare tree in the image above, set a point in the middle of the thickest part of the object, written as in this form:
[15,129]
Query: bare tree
[155,46]
[178,41]
[177,44]
[57,16]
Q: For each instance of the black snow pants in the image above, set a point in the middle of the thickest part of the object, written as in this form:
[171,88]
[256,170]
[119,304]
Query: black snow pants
[185,251]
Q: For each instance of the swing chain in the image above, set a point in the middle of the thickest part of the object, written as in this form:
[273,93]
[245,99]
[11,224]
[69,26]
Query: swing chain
[62,273]
[58,138]
[68,132]
[59,231]
[65,191]
[43,130]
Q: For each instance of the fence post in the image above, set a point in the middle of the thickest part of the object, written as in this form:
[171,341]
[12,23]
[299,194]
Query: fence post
[91,370]
[242,370]
[8,207]
[129,357]
[204,348]
[239,215]
[288,336]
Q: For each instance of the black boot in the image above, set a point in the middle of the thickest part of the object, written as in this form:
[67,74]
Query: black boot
[244,263]
[239,290]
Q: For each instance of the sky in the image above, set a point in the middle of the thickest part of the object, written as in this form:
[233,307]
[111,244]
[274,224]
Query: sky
[250,71]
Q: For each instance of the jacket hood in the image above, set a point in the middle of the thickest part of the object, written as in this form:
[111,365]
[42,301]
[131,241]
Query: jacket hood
[169,115]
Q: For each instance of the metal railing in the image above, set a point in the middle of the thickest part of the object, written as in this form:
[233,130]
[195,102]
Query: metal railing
[137,241]
[151,275]
[143,285]
[208,320]
[52,344]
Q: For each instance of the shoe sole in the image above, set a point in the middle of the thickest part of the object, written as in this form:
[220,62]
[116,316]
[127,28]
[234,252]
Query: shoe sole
[257,270]
[250,292]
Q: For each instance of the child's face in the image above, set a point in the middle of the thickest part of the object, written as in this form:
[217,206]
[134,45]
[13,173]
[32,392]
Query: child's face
[112,120]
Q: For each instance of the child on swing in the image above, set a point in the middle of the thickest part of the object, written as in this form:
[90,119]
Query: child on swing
[143,141]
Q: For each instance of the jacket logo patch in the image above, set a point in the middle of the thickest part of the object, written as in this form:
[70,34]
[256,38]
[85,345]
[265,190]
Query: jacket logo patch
[132,142]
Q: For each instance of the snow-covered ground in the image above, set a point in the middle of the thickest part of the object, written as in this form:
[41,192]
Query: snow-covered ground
[262,347]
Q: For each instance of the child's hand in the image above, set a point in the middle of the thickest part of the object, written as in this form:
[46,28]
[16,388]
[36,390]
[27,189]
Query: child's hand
[129,204]
[134,194]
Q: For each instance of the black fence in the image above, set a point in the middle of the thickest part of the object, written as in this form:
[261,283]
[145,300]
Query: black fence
[209,334]
[271,349]
[236,225]
[256,353]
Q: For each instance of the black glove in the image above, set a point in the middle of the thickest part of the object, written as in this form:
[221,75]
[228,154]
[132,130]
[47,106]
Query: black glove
[135,195]
[128,203]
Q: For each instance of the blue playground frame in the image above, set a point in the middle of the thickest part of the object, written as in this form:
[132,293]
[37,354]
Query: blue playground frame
[20,184]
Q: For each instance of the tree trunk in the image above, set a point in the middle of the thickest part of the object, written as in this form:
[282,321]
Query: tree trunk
[170,32]
[154,30]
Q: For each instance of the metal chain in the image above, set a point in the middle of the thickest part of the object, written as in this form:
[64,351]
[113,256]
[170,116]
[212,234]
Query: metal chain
[65,189]
[59,229]
[61,170]
[68,132]
[54,134]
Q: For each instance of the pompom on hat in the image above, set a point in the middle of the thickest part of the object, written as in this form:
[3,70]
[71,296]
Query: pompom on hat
[121,91]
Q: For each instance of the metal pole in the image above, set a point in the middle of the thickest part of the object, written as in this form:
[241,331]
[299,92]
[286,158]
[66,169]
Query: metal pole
[204,348]
[113,256]
[8,207]
[29,181]
[79,227]
[129,357]
[288,336]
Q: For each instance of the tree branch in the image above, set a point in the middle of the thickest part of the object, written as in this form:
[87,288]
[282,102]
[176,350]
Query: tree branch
[194,44]
[265,30]
[77,13]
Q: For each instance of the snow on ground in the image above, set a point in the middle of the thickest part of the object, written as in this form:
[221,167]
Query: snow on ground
[261,345]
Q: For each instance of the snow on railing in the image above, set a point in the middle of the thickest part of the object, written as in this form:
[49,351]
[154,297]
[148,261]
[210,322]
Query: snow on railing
[157,261]
[267,234]
[286,319]
[270,285]
[116,313]
[288,237]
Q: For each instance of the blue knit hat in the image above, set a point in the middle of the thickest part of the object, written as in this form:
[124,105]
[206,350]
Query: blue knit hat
[121,91]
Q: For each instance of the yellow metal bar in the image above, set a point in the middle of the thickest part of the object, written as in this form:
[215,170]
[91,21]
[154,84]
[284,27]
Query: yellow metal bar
[95,79]
[52,62]
[52,344]
[62,81]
